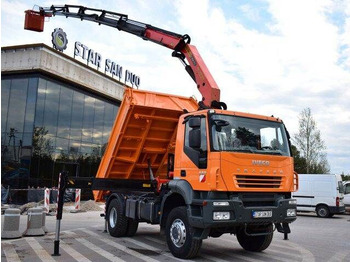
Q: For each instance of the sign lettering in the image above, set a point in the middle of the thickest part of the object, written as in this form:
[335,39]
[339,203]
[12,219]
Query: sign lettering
[111,67]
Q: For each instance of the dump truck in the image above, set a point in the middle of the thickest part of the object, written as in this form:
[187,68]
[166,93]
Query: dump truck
[194,168]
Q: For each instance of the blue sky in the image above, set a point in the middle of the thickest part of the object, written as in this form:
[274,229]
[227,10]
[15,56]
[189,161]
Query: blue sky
[269,57]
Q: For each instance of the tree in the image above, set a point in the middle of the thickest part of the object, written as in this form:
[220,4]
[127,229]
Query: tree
[299,161]
[309,143]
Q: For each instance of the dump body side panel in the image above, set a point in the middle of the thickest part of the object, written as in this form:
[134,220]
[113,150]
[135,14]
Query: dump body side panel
[144,131]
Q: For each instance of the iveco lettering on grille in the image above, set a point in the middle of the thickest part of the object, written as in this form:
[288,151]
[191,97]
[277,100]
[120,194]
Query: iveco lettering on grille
[260,163]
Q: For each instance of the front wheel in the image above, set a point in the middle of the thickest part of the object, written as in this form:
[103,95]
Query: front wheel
[258,238]
[179,235]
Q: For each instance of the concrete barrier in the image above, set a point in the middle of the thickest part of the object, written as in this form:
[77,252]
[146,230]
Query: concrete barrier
[44,220]
[11,224]
[35,222]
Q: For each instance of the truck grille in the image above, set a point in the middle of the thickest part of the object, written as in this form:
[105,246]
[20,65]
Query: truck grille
[247,181]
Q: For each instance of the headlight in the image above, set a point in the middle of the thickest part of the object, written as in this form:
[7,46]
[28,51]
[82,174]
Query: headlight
[291,212]
[223,203]
[293,202]
[221,215]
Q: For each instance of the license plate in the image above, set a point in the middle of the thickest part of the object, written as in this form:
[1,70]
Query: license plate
[261,214]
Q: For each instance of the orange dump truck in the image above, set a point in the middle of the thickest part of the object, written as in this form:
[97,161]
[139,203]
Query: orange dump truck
[196,173]
[196,169]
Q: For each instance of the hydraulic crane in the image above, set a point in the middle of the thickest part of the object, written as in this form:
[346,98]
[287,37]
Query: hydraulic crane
[187,53]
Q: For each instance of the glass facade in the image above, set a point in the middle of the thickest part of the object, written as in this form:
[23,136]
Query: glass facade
[48,126]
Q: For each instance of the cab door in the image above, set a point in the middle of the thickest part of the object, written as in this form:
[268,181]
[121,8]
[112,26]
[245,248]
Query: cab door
[191,159]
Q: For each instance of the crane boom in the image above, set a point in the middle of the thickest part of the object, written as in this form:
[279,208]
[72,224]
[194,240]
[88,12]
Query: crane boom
[187,53]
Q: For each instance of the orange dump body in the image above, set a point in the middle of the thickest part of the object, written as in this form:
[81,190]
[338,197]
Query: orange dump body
[144,131]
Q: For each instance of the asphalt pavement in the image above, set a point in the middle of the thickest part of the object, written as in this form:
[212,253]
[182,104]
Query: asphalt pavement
[82,239]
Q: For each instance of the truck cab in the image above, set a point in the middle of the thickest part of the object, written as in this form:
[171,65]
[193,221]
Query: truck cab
[230,151]
[233,170]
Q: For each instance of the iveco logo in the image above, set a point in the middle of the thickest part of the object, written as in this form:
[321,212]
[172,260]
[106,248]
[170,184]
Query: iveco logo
[260,163]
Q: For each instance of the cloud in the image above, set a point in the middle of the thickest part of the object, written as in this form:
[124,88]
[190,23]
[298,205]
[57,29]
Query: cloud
[281,71]
[268,57]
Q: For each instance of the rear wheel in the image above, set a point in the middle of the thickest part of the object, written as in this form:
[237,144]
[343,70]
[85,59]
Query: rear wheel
[179,235]
[255,243]
[322,211]
[117,222]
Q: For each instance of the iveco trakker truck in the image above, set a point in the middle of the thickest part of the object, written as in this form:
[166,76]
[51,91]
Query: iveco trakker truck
[196,169]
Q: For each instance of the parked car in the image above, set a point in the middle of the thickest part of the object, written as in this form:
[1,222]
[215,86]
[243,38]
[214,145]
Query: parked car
[322,193]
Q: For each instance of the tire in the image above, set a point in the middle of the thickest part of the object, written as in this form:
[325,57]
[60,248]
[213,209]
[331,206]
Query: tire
[255,243]
[322,211]
[179,235]
[117,222]
[132,227]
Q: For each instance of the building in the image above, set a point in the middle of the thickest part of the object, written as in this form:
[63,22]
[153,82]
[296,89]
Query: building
[56,113]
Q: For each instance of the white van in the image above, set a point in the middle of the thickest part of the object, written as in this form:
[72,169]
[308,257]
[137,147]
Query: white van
[347,194]
[323,193]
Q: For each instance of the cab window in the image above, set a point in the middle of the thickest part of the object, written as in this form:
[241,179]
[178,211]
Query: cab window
[195,146]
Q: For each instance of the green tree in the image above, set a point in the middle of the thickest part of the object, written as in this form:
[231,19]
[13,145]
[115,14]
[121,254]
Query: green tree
[345,177]
[299,161]
[308,141]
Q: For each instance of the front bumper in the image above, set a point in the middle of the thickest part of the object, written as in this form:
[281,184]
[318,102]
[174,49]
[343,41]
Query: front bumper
[201,213]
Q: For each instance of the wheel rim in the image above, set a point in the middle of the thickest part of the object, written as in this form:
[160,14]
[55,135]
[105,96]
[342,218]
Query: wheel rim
[178,233]
[322,212]
[113,217]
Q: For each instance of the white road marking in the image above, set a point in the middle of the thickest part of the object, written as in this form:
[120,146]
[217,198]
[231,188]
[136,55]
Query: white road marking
[278,253]
[95,248]
[122,248]
[73,253]
[246,258]
[10,253]
[39,250]
[273,252]
[201,255]
[141,244]
[216,259]
[307,256]
[340,256]
[159,241]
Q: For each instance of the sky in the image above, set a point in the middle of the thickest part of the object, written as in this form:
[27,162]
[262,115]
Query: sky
[268,57]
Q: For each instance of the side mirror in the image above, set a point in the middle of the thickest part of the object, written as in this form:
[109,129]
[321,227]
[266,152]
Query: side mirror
[195,139]
[194,122]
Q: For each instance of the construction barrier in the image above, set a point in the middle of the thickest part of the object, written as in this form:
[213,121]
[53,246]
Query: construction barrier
[11,224]
[47,200]
[35,222]
[77,199]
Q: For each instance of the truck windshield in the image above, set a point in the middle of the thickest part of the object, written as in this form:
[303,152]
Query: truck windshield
[247,135]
